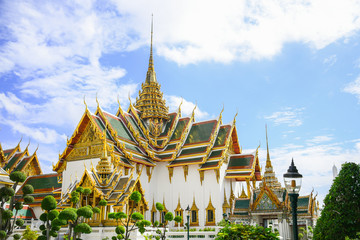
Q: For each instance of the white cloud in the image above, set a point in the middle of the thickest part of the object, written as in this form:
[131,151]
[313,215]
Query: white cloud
[288,116]
[320,139]
[40,134]
[186,107]
[354,88]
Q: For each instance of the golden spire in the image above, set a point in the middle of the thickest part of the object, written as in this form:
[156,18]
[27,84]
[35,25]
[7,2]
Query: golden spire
[269,176]
[151,61]
[103,168]
[150,101]
[268,162]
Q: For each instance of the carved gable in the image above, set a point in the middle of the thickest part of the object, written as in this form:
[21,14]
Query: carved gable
[89,145]
[266,203]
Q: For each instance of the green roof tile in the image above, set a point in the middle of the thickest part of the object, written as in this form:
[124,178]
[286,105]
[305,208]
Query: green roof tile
[216,153]
[170,147]
[240,161]
[168,125]
[303,202]
[12,161]
[242,203]
[179,129]
[44,181]
[210,164]
[193,150]
[200,132]
[119,127]
[134,125]
[221,137]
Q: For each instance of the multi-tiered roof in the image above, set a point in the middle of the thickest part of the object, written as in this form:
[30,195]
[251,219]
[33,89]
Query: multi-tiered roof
[146,134]
[13,159]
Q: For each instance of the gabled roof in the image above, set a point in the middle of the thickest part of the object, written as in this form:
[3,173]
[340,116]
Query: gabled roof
[44,185]
[243,166]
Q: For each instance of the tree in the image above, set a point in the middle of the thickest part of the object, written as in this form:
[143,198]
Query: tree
[49,204]
[8,219]
[168,218]
[340,217]
[137,219]
[240,231]
[29,234]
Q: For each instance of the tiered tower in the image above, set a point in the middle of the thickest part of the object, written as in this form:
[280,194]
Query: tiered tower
[150,101]
[269,176]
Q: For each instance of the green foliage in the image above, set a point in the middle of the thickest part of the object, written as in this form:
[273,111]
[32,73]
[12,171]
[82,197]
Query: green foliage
[55,228]
[156,223]
[17,236]
[169,216]
[178,219]
[18,206]
[111,215]
[120,230]
[19,222]
[341,213]
[137,216]
[305,234]
[120,215]
[135,196]
[42,237]
[2,234]
[43,217]
[159,206]
[240,231]
[53,233]
[28,189]
[29,234]
[7,214]
[68,214]
[53,214]
[48,203]
[87,191]
[28,199]
[74,200]
[42,227]
[103,202]
[7,192]
[58,222]
[83,228]
[80,189]
[84,212]
[17,176]
[96,210]
[75,194]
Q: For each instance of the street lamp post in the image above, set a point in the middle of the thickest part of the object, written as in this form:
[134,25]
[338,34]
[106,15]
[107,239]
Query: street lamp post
[292,181]
[188,221]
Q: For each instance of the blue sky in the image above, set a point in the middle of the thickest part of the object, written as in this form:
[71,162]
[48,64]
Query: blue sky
[293,65]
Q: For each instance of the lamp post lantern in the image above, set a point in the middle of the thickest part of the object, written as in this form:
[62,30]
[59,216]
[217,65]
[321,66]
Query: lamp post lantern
[188,221]
[292,181]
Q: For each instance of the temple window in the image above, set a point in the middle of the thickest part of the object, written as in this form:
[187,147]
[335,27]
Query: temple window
[210,214]
[194,214]
[179,212]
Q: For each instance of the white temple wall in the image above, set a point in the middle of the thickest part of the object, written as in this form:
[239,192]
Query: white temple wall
[74,170]
[160,189]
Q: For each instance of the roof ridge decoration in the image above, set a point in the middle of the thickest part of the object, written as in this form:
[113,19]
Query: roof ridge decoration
[150,101]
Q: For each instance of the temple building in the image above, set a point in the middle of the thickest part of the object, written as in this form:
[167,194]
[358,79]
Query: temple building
[269,205]
[14,159]
[167,157]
